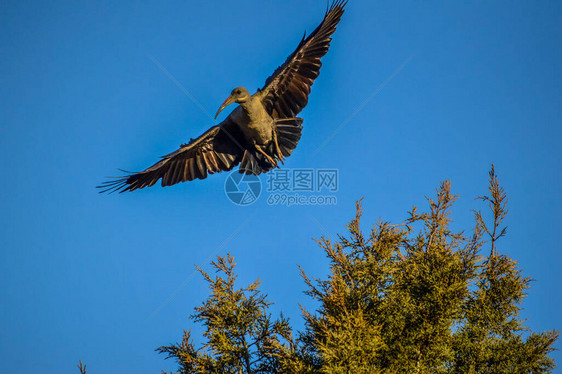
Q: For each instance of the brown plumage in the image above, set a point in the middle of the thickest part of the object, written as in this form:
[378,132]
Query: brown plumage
[287,90]
[257,134]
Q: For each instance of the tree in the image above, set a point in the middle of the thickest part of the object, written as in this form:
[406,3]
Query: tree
[241,336]
[424,301]
[414,297]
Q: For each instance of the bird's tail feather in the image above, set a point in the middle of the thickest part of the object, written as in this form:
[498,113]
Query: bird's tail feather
[288,135]
[289,132]
[254,164]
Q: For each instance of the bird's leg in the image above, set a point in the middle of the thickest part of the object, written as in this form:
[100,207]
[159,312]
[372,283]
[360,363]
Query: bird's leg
[260,150]
[279,154]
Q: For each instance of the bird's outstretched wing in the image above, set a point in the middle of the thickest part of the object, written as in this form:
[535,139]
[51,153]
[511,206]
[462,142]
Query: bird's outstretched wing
[219,149]
[286,92]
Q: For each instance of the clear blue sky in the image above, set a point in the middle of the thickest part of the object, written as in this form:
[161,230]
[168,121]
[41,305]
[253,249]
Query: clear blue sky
[99,278]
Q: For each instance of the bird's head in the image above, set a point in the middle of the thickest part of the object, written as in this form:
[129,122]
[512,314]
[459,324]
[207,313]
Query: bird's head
[238,95]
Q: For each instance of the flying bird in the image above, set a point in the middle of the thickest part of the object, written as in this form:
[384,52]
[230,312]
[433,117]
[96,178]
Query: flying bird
[259,133]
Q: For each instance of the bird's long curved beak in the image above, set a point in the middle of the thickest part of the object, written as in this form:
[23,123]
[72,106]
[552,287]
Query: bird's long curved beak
[229,100]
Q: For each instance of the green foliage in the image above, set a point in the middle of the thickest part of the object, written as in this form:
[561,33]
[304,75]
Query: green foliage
[409,298]
[241,337]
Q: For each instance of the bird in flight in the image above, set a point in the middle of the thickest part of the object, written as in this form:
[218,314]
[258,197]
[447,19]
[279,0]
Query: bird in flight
[259,133]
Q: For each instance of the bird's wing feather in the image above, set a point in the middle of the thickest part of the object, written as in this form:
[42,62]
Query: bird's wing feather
[286,92]
[219,149]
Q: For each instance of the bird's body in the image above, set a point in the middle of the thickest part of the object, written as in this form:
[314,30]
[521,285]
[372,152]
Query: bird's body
[258,133]
[256,124]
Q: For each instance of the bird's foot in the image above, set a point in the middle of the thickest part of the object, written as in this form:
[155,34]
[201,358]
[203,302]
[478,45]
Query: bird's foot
[268,157]
[272,161]
[278,150]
